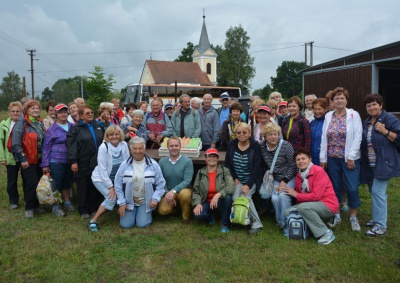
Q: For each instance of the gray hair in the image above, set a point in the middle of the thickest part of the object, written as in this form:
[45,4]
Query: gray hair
[196,99]
[136,140]
[182,96]
[312,95]
[137,112]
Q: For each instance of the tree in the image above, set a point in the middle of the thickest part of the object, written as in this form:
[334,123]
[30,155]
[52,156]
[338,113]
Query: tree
[236,64]
[47,94]
[186,53]
[98,87]
[263,92]
[66,90]
[288,80]
[11,89]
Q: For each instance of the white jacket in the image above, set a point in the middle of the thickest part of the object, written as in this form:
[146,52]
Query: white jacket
[353,136]
[104,163]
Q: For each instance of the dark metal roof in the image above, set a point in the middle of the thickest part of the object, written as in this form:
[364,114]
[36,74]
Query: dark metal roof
[383,52]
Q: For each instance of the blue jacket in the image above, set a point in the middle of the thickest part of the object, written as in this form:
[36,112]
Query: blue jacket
[316,134]
[387,157]
[154,182]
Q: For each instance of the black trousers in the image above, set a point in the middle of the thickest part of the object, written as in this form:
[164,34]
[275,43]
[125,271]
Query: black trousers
[30,180]
[12,181]
[88,197]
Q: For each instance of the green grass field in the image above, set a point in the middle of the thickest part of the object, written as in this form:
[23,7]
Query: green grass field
[50,249]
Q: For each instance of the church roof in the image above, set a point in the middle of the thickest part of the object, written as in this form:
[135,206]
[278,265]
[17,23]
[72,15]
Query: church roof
[204,43]
[166,72]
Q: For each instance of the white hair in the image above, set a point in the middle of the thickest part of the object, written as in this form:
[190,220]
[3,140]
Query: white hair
[196,99]
[313,95]
[136,140]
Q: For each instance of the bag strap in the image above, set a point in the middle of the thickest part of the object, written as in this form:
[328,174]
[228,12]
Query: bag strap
[276,156]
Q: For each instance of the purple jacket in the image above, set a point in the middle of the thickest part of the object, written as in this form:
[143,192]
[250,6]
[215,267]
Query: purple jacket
[54,148]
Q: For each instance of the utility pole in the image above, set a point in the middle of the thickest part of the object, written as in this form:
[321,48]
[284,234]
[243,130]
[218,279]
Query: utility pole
[311,52]
[23,87]
[31,53]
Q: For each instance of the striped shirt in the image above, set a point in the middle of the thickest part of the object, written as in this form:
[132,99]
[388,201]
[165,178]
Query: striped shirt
[285,167]
[241,165]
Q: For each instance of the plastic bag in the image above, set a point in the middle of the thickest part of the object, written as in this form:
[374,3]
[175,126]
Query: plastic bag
[46,191]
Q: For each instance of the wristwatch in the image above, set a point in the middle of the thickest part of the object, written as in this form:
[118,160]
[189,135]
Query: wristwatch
[388,133]
[173,191]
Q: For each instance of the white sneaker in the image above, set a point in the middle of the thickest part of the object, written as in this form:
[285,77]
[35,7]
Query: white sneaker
[370,223]
[376,231]
[354,225]
[334,221]
[327,238]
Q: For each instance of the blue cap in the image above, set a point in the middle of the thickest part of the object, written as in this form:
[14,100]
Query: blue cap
[224,95]
[168,105]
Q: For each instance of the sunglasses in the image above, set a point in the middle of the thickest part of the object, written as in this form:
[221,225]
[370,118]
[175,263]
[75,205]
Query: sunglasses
[89,113]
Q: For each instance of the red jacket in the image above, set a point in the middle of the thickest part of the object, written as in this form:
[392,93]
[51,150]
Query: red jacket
[321,189]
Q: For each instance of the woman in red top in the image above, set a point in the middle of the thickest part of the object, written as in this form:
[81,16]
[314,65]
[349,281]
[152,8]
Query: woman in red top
[316,199]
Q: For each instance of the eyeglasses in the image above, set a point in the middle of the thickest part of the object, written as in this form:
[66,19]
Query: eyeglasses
[16,111]
[225,99]
[89,113]
[242,133]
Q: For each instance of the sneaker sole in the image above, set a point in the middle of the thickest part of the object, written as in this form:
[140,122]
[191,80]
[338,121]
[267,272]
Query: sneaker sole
[327,243]
[372,234]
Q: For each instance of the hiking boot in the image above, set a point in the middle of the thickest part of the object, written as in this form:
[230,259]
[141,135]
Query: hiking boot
[344,207]
[29,213]
[224,229]
[334,221]
[186,221]
[354,225]
[376,231]
[85,215]
[370,223]
[327,238]
[69,207]
[13,206]
[57,211]
[39,209]
[254,231]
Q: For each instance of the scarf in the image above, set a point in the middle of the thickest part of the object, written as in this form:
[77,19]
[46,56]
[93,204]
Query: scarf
[304,174]
[116,151]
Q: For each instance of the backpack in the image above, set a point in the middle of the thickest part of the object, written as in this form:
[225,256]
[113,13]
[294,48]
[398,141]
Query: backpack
[295,226]
[240,211]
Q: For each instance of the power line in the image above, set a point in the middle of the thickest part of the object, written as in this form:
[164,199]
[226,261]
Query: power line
[258,51]
[115,67]
[334,48]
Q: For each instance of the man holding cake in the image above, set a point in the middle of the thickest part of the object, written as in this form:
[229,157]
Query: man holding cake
[178,171]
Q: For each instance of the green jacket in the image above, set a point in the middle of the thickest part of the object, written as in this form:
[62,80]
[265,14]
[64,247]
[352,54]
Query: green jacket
[225,184]
[192,124]
[5,155]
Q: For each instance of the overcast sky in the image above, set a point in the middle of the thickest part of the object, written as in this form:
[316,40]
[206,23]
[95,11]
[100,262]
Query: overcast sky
[70,37]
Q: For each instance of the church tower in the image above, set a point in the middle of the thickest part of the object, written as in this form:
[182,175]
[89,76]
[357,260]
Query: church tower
[205,56]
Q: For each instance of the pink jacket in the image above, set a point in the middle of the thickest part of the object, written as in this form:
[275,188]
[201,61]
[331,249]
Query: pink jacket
[321,189]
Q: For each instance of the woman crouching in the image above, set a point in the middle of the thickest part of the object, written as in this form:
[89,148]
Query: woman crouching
[316,199]
[139,185]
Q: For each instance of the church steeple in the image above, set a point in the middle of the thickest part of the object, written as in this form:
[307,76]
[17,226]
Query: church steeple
[205,56]
[204,43]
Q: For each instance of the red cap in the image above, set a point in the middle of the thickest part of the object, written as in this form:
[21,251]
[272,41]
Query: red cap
[212,151]
[283,103]
[60,106]
[264,108]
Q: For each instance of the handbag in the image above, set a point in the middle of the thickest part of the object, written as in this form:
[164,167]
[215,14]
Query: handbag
[268,180]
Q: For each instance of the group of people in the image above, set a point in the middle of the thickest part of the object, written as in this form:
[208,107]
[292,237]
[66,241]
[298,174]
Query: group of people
[315,155]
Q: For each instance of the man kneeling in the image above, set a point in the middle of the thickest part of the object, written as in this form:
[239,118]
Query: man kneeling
[177,170]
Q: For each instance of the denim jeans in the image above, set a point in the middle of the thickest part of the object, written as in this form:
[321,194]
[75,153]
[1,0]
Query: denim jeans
[224,206]
[12,180]
[107,203]
[379,201]
[281,201]
[336,168]
[62,175]
[137,216]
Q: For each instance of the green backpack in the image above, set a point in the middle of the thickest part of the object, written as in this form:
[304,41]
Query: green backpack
[240,211]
